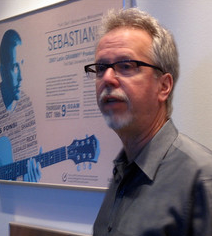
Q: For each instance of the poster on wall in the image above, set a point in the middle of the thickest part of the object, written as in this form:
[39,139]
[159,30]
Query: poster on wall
[51,130]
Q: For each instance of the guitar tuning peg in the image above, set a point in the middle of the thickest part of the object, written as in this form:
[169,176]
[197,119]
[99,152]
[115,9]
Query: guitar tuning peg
[84,165]
[78,167]
[90,166]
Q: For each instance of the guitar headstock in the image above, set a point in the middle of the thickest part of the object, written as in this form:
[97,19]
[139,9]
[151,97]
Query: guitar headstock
[84,150]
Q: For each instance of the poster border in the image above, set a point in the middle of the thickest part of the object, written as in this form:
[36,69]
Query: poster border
[38,184]
[55,186]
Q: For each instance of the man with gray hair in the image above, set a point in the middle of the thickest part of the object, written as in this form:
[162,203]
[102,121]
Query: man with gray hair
[162,180]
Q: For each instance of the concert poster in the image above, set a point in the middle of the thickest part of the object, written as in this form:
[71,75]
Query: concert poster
[48,112]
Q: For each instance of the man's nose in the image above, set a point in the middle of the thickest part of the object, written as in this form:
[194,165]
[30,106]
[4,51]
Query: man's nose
[110,77]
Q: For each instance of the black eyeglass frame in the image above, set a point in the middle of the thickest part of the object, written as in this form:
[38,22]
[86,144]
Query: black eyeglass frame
[111,65]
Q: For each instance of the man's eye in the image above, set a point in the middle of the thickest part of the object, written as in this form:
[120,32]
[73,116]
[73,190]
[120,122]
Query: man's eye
[100,69]
[126,66]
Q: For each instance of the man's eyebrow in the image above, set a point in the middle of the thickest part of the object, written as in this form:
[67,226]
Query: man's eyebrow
[102,61]
[108,61]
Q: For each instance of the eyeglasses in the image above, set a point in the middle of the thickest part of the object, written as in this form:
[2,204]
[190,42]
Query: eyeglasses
[126,68]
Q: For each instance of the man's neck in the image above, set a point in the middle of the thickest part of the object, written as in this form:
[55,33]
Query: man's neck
[134,139]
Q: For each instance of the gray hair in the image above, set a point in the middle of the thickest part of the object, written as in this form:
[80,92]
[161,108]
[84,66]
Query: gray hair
[164,51]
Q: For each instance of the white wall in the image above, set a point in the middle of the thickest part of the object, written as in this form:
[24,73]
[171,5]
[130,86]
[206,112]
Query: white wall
[10,8]
[57,208]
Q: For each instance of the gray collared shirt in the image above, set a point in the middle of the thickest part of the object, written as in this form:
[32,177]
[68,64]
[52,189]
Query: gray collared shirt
[167,190]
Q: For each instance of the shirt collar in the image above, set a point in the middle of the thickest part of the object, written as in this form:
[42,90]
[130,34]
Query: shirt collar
[152,154]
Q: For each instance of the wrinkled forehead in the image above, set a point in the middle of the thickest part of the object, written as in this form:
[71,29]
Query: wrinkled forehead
[133,41]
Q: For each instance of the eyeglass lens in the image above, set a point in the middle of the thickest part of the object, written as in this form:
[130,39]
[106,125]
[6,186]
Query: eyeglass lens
[125,69]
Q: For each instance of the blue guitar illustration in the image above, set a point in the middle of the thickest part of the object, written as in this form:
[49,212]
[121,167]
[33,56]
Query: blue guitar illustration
[80,151]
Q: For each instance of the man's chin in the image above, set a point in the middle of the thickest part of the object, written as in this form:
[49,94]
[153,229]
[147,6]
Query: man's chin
[118,122]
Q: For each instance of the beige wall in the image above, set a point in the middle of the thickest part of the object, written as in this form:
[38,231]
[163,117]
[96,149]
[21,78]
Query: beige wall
[190,22]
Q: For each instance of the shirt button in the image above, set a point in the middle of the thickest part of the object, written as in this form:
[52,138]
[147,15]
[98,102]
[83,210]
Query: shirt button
[114,171]
[109,228]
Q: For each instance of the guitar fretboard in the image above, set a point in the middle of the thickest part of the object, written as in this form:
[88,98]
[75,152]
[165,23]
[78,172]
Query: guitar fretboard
[19,168]
[84,150]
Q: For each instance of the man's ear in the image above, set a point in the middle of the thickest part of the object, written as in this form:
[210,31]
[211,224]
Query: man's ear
[166,86]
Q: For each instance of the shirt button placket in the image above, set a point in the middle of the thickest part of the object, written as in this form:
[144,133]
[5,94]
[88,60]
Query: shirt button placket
[109,229]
